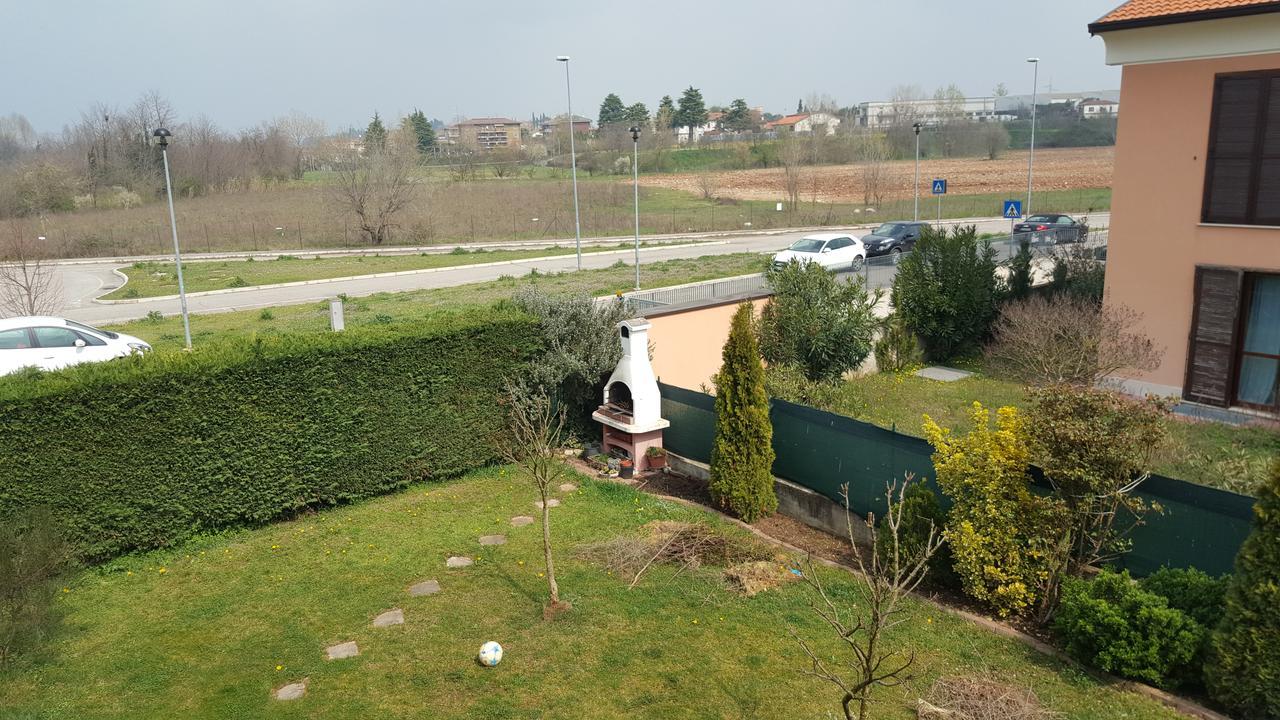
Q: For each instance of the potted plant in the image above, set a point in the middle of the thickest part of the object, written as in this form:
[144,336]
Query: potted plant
[657,458]
[626,468]
[600,462]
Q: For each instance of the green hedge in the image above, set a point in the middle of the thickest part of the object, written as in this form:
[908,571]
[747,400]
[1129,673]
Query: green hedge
[145,453]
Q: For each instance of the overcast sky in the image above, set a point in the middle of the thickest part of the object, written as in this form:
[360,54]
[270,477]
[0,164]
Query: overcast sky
[244,61]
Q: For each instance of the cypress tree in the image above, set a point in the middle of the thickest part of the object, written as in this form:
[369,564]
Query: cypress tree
[742,456]
[375,136]
[1243,670]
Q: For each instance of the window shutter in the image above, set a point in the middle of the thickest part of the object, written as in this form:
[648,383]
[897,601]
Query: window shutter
[1211,351]
[1232,148]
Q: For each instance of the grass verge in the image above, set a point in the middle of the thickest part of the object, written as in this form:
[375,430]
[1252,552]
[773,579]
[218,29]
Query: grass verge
[411,307]
[208,629]
[153,279]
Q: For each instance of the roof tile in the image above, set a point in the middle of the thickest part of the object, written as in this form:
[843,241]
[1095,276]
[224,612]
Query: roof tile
[1148,9]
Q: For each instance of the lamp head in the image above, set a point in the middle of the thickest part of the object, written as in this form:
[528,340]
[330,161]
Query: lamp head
[635,133]
[562,58]
[162,136]
[1033,60]
[916,127]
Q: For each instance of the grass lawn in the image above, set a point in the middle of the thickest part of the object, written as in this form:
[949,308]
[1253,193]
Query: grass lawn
[1232,458]
[152,279]
[410,307]
[208,629]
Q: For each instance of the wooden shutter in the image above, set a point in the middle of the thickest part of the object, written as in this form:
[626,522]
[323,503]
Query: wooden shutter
[1233,148]
[1211,351]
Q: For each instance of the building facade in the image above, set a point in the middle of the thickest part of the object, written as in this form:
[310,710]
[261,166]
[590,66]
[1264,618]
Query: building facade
[1195,225]
[805,123]
[485,133]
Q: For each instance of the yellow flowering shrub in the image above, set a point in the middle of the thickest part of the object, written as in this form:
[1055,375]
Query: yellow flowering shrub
[1003,538]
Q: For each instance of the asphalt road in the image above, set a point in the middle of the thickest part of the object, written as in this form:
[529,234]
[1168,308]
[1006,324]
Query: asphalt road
[83,281]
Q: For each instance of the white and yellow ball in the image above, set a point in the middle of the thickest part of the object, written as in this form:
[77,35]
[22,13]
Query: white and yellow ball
[490,654]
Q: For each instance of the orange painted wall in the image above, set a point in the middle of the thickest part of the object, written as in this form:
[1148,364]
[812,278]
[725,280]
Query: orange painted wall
[1156,236]
[687,345]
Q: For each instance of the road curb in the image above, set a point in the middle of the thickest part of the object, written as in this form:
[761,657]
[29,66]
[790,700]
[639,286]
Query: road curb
[397,273]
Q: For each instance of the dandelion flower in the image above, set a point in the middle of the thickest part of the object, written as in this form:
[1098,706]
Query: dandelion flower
[128,572]
[66,590]
[540,574]
[279,668]
[163,571]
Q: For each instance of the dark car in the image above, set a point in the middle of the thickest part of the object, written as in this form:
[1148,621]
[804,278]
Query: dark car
[1052,228]
[893,238]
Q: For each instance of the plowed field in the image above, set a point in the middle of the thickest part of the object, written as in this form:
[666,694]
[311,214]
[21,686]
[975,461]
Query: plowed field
[1055,169]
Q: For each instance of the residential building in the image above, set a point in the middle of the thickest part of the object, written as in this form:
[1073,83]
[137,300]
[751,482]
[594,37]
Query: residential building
[884,113]
[1097,108]
[804,123]
[1195,220]
[581,125]
[710,126]
[485,133]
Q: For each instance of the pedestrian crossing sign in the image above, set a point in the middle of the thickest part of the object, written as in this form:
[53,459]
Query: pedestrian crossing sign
[940,187]
[1013,209]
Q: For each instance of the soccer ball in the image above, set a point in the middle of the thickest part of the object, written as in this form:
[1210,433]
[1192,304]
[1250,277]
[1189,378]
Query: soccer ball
[490,654]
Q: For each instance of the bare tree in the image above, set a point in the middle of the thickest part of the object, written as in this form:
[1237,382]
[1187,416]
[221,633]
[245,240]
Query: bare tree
[375,188]
[873,154]
[28,285]
[792,156]
[888,571]
[994,139]
[532,441]
[709,184]
[1069,339]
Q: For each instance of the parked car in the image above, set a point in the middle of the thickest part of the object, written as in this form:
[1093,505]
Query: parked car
[1052,228]
[834,251]
[893,238]
[49,343]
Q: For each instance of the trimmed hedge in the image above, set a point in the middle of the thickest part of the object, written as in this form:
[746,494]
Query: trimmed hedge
[145,453]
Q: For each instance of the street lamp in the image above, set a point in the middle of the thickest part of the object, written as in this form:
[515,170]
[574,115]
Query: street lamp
[573,159]
[635,187]
[162,136]
[916,127]
[1031,157]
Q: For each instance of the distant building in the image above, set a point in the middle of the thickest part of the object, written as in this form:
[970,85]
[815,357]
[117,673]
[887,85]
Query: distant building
[804,123]
[710,126]
[581,125]
[485,133]
[1096,108]
[884,113]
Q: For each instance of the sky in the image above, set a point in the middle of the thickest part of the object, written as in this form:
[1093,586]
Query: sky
[241,62]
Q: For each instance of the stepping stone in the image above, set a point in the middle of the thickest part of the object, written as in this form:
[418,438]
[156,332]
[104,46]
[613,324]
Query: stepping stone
[521,521]
[426,587]
[457,561]
[342,651]
[568,487]
[394,616]
[292,691]
[550,503]
[493,539]
[942,374]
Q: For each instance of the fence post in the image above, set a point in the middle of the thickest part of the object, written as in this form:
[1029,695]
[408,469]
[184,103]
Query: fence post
[253,230]
[300,245]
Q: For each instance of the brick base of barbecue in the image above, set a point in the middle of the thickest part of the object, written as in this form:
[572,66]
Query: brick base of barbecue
[635,445]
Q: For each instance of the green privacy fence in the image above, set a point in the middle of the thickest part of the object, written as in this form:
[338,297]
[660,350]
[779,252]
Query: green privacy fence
[1200,527]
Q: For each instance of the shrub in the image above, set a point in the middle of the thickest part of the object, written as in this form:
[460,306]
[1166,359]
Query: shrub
[817,322]
[1065,338]
[742,453]
[896,349]
[582,344]
[1005,541]
[946,291]
[1243,671]
[1020,271]
[147,451]
[1190,590]
[921,514]
[1077,271]
[1113,625]
[33,558]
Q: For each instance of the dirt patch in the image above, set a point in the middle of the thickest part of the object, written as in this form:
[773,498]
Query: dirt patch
[1055,169]
[966,698]
[688,546]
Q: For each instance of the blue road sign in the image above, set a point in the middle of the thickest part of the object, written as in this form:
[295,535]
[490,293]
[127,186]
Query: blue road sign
[940,187]
[1013,209]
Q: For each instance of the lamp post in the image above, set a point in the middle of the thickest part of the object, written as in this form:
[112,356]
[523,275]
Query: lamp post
[635,188]
[162,136]
[1031,156]
[916,127]
[573,159]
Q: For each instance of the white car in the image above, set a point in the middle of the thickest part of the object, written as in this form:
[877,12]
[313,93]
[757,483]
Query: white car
[834,251]
[50,343]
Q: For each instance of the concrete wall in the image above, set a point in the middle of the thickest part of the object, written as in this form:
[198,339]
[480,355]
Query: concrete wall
[1156,235]
[687,343]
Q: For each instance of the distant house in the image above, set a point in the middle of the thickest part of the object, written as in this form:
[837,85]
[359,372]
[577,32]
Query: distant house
[581,125]
[712,125]
[804,123]
[1195,215]
[485,133]
[1096,108]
